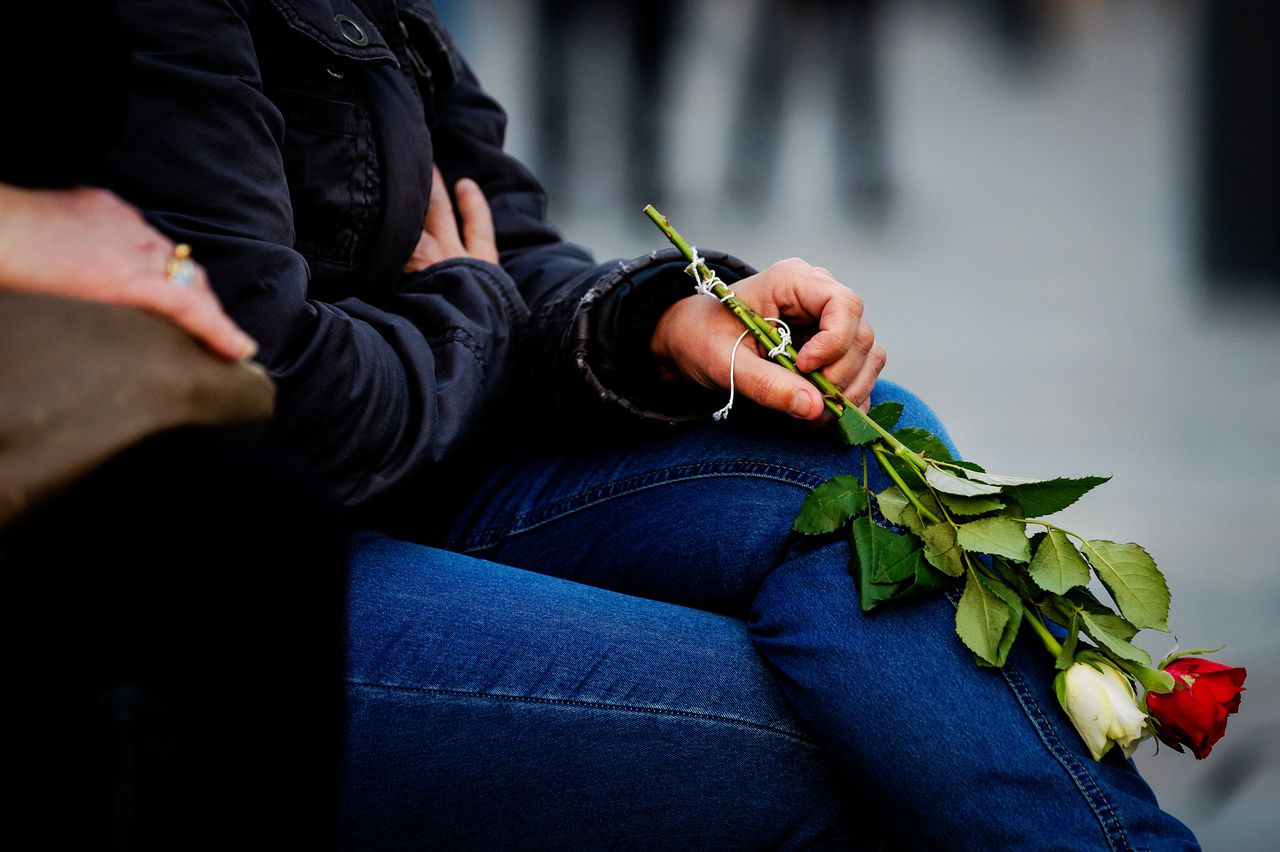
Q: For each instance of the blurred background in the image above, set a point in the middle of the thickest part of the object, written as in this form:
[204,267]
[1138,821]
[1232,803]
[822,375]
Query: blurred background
[1064,218]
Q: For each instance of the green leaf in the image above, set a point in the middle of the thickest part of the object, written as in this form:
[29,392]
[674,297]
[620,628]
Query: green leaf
[862,565]
[1013,576]
[997,536]
[1103,614]
[923,442]
[1010,632]
[927,580]
[1057,565]
[1121,648]
[942,550]
[911,517]
[968,506]
[1134,581]
[1115,625]
[968,465]
[1152,680]
[981,617]
[1067,655]
[895,557]
[892,502]
[830,506]
[1175,654]
[855,428]
[886,414]
[1002,481]
[898,511]
[1044,498]
[951,484]
[1085,599]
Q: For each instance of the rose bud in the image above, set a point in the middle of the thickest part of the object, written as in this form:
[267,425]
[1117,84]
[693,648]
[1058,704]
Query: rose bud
[1195,713]
[1101,704]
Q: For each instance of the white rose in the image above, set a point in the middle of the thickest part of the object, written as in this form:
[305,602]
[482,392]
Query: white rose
[1101,704]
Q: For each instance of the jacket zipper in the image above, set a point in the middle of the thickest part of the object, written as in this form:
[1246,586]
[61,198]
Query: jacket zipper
[415,58]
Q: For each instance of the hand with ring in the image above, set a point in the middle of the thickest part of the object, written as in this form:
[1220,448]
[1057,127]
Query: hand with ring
[88,244]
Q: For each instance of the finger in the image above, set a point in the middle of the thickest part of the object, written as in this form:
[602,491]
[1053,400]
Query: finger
[477,221]
[440,222]
[196,309]
[859,390]
[839,321]
[776,387]
[425,253]
[807,292]
[846,367]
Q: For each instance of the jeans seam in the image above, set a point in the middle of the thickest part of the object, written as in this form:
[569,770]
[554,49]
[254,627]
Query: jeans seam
[597,705]
[1094,797]
[564,506]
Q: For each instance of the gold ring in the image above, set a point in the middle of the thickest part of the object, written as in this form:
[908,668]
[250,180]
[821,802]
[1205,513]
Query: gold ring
[180,268]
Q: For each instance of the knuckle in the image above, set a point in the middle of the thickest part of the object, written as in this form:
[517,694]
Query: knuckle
[878,357]
[767,386]
[865,338]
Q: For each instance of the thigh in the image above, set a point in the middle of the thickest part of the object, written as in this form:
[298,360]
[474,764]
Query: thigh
[492,707]
[703,519]
[696,516]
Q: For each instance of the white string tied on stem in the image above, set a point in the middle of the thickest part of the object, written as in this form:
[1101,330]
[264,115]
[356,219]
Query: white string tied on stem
[705,286]
[784,337]
[784,332]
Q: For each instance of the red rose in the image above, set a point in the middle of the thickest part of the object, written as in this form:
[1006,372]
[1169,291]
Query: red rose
[1195,713]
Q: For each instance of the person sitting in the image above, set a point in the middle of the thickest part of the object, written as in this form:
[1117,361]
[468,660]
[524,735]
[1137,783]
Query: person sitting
[577,618]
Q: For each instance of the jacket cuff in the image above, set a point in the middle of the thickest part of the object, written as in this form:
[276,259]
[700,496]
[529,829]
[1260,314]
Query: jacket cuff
[615,323]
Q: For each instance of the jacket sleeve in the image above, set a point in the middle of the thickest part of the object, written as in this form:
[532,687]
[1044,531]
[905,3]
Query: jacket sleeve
[586,341]
[374,390]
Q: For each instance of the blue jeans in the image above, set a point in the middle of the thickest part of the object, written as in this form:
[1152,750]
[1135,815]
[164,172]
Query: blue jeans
[624,647]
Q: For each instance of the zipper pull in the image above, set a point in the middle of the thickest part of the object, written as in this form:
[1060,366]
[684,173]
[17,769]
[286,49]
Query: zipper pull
[419,64]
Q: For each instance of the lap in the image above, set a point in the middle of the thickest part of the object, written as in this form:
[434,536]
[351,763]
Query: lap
[694,517]
[598,719]
[697,522]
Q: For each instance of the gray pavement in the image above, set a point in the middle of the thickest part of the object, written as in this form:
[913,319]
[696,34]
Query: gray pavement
[1034,279]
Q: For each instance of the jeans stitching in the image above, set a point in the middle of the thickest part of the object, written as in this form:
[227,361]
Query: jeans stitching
[598,705]
[1083,779]
[1095,798]
[531,520]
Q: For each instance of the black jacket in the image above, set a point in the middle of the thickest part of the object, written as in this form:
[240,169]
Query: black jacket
[290,142]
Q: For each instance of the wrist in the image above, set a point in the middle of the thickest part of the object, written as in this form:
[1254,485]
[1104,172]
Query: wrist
[659,342]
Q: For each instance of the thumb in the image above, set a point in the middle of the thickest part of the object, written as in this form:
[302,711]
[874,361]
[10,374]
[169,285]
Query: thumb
[776,387]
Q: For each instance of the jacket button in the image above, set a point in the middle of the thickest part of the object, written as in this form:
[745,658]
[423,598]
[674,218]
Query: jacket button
[351,31]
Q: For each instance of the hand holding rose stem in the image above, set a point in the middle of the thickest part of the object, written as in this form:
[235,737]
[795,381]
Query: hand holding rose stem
[962,522]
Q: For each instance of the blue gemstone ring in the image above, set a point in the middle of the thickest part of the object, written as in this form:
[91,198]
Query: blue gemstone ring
[180,268]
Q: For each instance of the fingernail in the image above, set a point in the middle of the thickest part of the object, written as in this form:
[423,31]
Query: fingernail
[250,348]
[801,405]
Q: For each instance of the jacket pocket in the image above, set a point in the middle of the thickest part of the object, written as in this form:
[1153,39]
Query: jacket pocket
[330,156]
[331,165]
